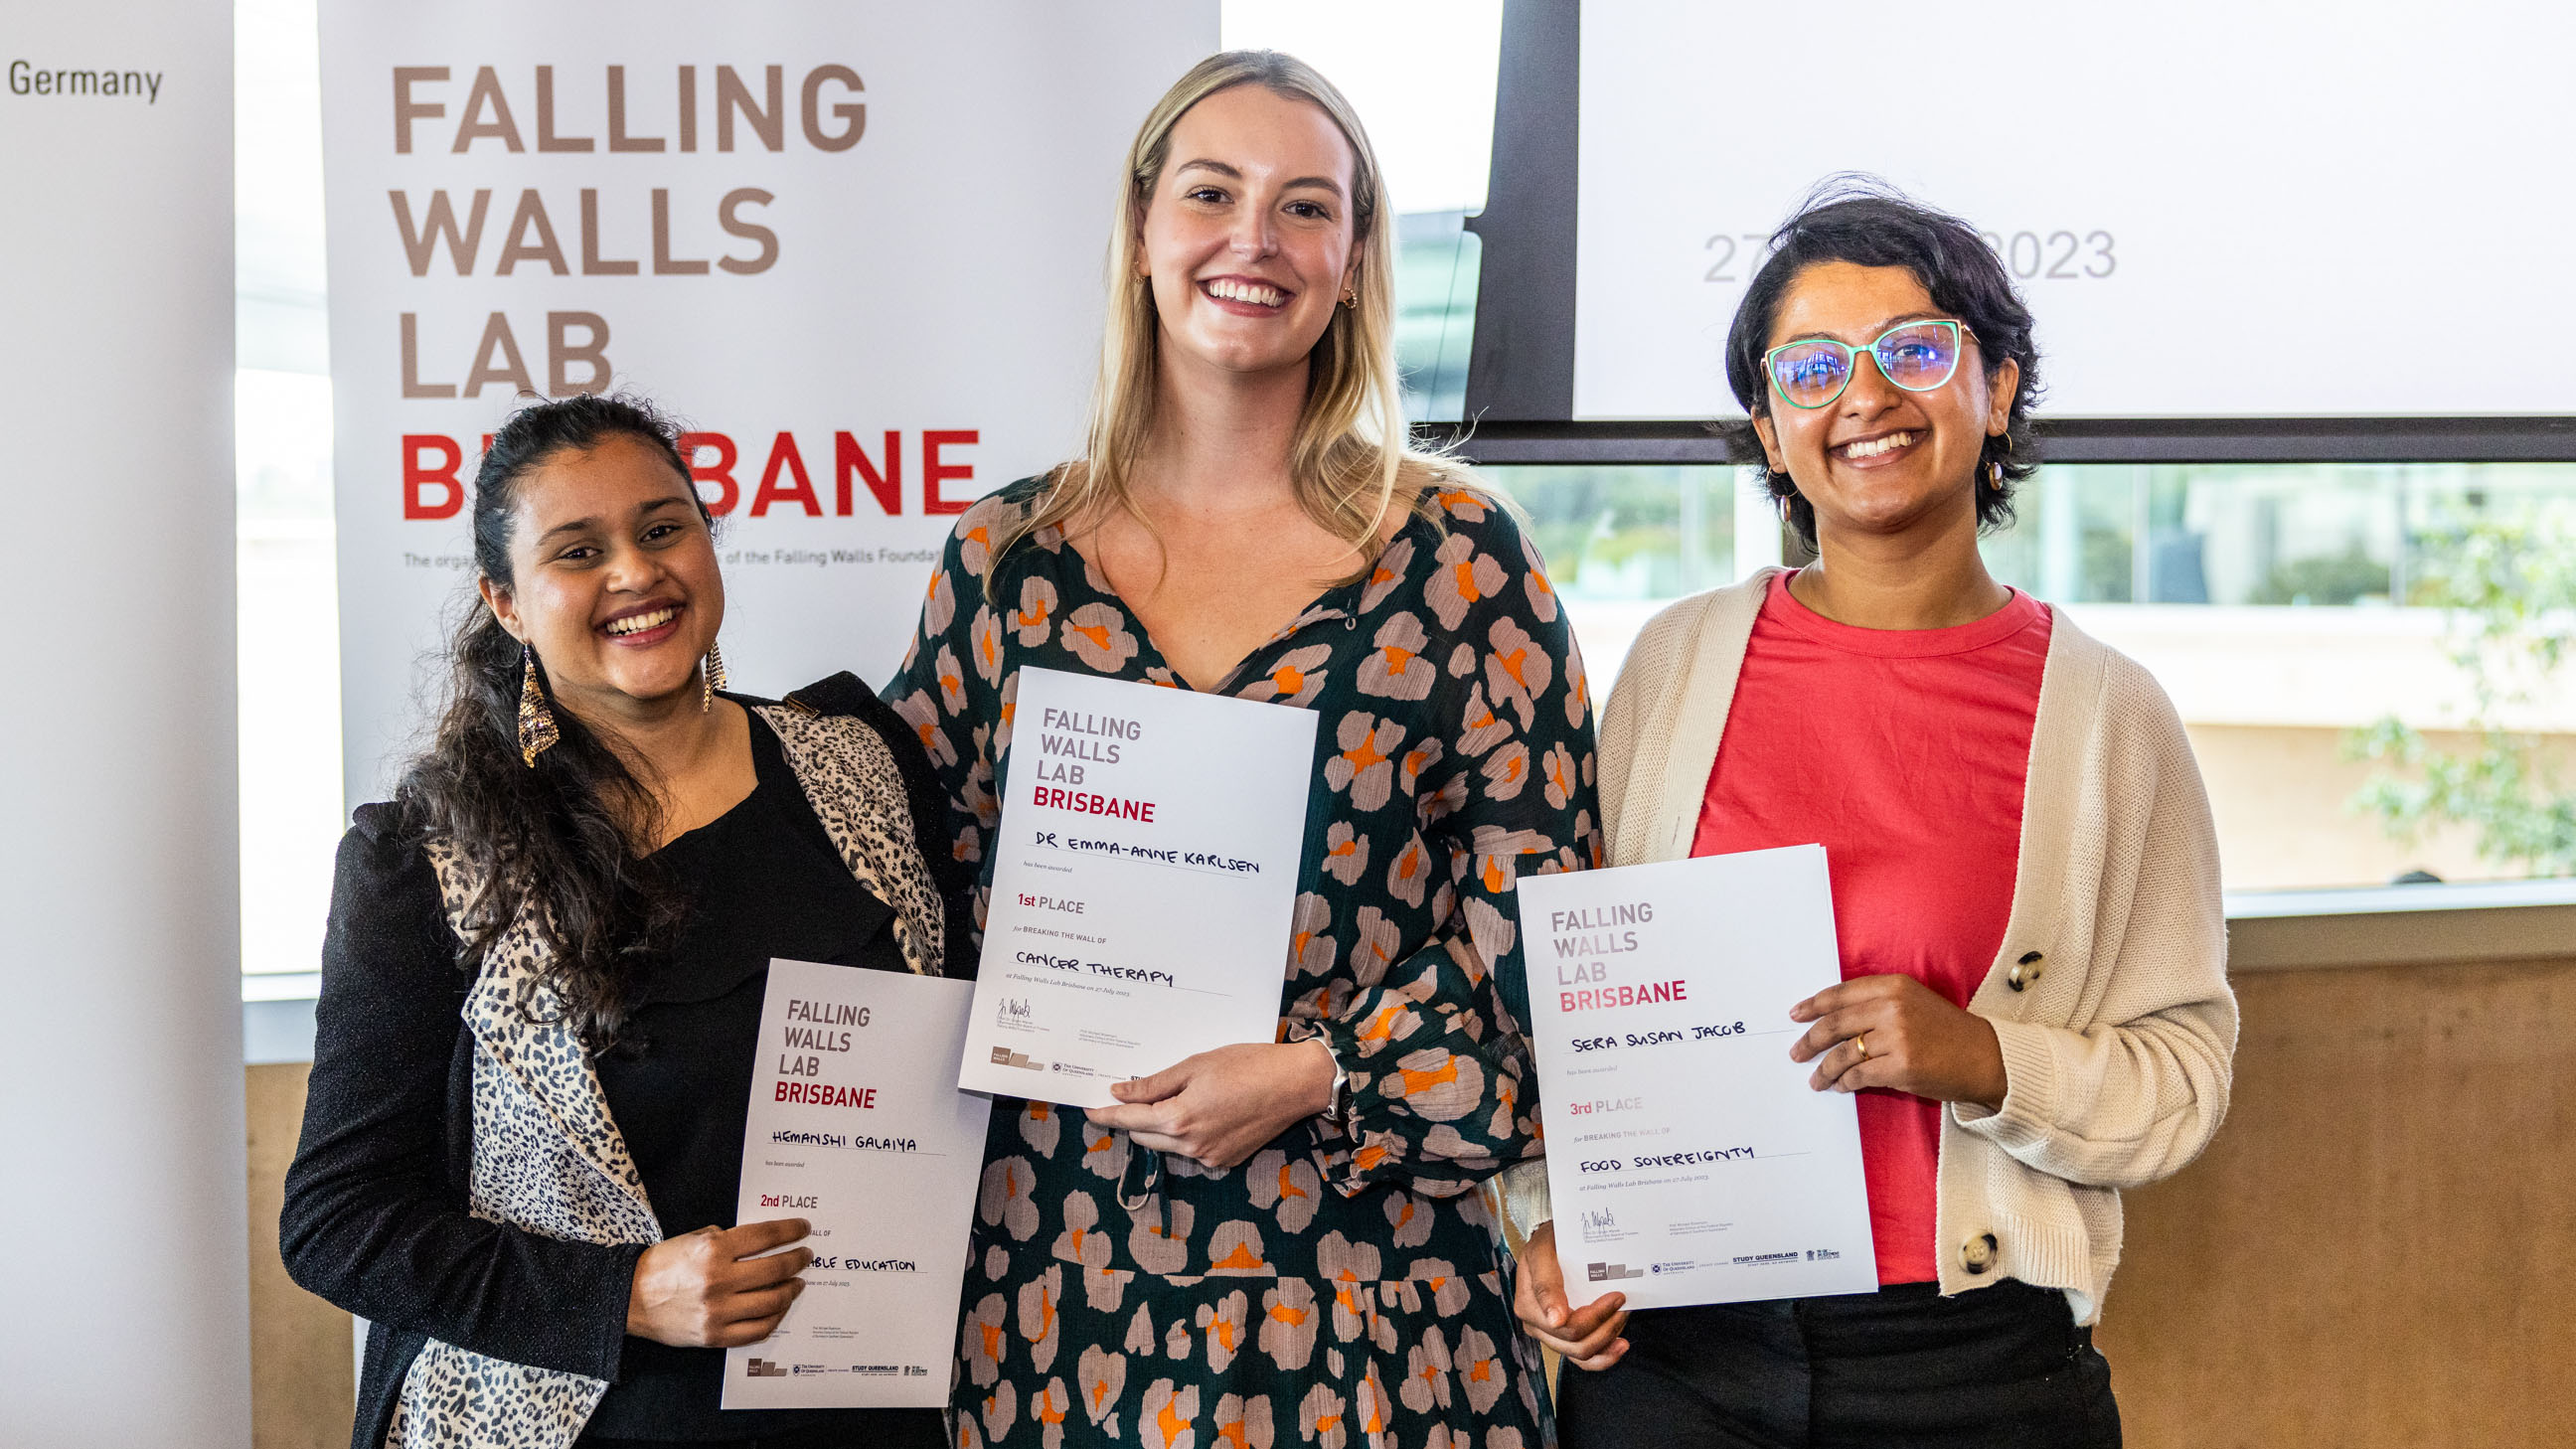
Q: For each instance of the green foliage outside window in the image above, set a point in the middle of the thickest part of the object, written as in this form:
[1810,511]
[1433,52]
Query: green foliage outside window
[2511,590]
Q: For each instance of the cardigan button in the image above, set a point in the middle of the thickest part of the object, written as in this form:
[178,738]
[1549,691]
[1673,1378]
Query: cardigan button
[2024,971]
[1978,1253]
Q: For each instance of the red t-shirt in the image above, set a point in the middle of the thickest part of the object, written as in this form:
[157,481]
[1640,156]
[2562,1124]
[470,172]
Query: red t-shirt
[1903,752]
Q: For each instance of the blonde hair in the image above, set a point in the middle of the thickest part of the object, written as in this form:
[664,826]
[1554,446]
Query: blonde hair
[1351,452]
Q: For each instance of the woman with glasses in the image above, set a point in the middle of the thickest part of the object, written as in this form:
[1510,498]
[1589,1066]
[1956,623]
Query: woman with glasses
[1276,1242]
[2034,1009]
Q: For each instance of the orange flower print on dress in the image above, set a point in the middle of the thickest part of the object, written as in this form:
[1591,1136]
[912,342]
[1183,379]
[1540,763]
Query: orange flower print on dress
[1481,1371]
[1440,1085]
[1297,677]
[1395,669]
[1005,1196]
[1039,1322]
[1158,1248]
[1221,1326]
[1040,1125]
[986,650]
[1306,1297]
[1345,853]
[1379,940]
[1047,1410]
[918,710]
[1311,948]
[1163,1420]
[1366,765]
[1386,574]
[939,607]
[1464,579]
[985,1337]
[1234,1251]
[1323,1417]
[1290,1317]
[1097,635]
[1101,1377]
[1244,1423]
[1542,594]
[1517,670]
[1410,1218]
[1558,770]
[1289,1187]
[1426,1379]
[1001,1409]
[1082,1242]
[1506,770]
[1035,616]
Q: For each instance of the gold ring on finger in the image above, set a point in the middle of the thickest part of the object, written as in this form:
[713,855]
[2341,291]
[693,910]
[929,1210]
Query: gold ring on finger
[1861,1042]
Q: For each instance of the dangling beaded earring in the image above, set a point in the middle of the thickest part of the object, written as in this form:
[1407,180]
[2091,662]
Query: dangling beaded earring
[711,677]
[537,732]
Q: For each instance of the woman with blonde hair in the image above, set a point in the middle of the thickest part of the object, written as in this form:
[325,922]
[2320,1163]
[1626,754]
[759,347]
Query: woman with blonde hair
[1274,1242]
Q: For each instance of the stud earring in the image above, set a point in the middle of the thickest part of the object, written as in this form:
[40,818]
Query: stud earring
[711,677]
[537,732]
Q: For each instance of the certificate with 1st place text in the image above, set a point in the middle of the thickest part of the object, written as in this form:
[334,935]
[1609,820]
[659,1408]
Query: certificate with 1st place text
[1144,880]
[1687,1158]
[857,1126]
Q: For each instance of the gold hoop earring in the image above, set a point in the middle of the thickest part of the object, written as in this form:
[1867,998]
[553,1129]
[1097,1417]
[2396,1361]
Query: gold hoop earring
[537,732]
[711,677]
[1351,298]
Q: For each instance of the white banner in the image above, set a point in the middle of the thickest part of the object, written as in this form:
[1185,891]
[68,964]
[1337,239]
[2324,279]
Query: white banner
[857,246]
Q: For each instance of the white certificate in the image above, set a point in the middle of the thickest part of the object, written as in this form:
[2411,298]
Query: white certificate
[1144,881]
[858,1127]
[1687,1158]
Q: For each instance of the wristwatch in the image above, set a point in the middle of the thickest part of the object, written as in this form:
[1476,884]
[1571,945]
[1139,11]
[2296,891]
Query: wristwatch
[1337,1113]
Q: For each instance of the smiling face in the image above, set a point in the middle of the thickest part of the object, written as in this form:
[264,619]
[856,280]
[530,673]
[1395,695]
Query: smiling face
[1881,459]
[1248,233]
[613,577]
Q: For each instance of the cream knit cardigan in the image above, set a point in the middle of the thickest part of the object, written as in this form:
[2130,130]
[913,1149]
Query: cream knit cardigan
[2109,995]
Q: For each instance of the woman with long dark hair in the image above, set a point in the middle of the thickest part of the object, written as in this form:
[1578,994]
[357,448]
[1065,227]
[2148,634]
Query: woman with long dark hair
[545,968]
[1276,1242]
[2034,1011]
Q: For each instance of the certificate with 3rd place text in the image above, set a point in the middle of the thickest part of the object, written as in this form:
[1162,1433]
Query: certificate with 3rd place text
[857,1126]
[1144,879]
[1688,1159]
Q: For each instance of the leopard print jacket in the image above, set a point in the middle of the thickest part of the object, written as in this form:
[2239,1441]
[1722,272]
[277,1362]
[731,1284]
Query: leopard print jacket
[547,1156]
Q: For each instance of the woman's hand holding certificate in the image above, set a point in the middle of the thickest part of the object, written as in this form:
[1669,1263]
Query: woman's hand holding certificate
[1895,1032]
[1222,1106]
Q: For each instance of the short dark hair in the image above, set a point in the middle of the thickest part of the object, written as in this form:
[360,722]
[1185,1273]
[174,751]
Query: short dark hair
[1866,222]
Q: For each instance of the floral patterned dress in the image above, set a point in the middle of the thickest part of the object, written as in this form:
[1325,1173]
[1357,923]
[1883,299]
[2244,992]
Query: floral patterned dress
[1336,1290]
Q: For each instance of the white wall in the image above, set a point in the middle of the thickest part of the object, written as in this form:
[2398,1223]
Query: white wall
[123,1276]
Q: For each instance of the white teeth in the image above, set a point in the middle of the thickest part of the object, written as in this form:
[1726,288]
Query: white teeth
[1876,446]
[1234,291]
[638,623]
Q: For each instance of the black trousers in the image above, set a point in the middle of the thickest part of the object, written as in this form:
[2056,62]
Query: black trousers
[1991,1368]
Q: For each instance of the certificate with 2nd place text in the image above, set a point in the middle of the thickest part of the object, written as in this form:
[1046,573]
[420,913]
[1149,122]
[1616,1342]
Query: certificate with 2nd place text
[857,1126]
[1689,1161]
[1144,882]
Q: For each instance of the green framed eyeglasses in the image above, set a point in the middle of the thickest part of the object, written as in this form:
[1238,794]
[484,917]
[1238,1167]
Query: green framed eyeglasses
[1916,356]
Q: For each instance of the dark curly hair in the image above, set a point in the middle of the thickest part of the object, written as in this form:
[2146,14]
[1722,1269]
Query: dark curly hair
[556,843]
[1861,220]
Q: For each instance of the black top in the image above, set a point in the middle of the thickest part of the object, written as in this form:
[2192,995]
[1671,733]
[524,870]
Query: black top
[375,1215]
